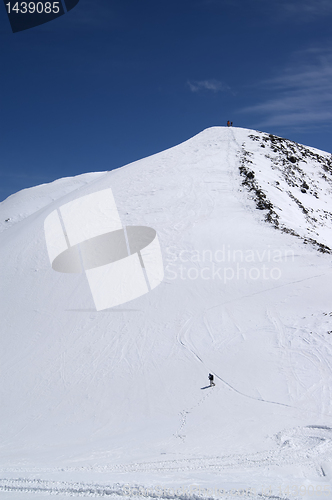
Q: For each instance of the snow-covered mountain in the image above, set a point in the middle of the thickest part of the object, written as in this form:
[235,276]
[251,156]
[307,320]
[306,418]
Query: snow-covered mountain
[100,403]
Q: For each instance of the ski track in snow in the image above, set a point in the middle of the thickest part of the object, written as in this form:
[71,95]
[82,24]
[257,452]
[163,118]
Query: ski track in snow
[311,353]
[93,490]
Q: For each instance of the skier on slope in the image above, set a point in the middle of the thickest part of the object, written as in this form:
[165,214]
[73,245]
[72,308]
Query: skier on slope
[211,380]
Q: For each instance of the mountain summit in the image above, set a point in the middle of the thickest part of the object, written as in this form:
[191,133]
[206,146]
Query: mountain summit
[120,397]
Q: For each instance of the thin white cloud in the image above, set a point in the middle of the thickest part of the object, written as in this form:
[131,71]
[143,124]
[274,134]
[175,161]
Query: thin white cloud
[314,7]
[301,95]
[213,85]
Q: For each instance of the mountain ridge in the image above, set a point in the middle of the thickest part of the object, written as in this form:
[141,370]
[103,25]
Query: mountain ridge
[287,154]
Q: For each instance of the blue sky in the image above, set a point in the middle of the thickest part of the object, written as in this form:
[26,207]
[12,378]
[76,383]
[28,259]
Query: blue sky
[114,81]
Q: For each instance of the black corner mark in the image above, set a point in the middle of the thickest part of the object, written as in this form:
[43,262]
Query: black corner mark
[70,4]
[24,15]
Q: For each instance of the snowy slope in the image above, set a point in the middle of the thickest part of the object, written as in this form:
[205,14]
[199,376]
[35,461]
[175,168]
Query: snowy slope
[91,401]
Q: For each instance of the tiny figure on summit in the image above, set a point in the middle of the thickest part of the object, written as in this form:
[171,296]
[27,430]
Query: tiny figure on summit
[228,123]
[211,380]
[231,124]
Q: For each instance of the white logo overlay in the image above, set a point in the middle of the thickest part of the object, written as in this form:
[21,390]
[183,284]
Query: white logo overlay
[120,263]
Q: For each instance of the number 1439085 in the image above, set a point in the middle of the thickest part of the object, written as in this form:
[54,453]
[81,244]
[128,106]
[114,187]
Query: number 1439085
[32,7]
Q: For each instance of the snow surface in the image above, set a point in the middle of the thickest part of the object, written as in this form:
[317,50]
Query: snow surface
[115,403]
